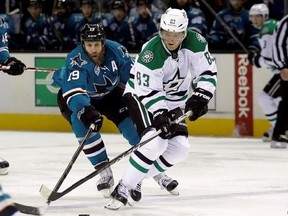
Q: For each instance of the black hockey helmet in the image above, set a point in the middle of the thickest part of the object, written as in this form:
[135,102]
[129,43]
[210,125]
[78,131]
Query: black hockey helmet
[93,32]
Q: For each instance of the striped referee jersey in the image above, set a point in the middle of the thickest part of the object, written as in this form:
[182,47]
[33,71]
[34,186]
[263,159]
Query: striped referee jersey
[280,47]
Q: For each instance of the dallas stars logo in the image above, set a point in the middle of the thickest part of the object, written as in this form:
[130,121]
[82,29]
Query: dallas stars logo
[77,60]
[173,84]
[147,56]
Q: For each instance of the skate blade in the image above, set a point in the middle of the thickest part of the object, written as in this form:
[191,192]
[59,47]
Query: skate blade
[174,192]
[107,192]
[114,204]
[3,171]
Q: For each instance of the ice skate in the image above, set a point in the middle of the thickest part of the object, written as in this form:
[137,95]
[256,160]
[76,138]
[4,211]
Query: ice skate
[119,197]
[135,195]
[279,143]
[267,136]
[167,183]
[106,182]
[3,167]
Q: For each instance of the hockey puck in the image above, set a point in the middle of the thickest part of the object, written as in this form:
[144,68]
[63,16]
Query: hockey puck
[83,215]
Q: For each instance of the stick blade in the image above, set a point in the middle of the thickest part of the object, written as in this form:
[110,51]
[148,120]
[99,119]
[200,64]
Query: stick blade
[45,191]
[31,210]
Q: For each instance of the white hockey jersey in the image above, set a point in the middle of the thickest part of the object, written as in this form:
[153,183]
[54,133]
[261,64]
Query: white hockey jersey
[266,40]
[162,79]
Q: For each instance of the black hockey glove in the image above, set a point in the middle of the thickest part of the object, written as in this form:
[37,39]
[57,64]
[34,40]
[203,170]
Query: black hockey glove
[253,58]
[16,66]
[198,103]
[89,115]
[161,121]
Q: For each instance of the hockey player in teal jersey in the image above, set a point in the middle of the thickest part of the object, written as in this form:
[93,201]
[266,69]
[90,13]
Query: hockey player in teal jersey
[269,97]
[157,92]
[16,67]
[92,85]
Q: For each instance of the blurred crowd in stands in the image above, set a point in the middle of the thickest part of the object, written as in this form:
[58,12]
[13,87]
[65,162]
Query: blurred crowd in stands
[54,25]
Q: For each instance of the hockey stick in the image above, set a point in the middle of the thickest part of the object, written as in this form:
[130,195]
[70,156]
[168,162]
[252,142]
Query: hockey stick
[224,25]
[25,209]
[31,69]
[73,159]
[46,192]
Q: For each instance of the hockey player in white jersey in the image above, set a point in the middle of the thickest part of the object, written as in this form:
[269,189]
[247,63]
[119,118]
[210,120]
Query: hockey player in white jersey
[269,97]
[156,94]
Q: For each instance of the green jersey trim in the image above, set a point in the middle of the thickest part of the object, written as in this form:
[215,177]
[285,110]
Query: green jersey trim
[151,102]
[147,56]
[194,41]
[154,55]
[211,80]
[268,28]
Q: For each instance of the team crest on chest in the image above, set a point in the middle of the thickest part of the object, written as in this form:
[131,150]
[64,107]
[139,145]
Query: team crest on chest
[173,84]
[77,60]
[147,56]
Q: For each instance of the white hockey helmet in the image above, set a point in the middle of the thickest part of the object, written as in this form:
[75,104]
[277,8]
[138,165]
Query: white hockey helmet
[260,9]
[174,20]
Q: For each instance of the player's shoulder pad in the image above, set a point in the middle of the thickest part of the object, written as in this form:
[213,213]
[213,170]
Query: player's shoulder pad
[115,48]
[3,25]
[268,27]
[194,42]
[153,54]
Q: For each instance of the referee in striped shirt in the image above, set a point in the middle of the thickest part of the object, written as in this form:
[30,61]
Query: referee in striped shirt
[280,58]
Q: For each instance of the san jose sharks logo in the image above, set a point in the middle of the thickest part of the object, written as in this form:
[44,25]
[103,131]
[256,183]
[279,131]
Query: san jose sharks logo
[105,87]
[173,84]
[77,60]
[3,23]
[124,51]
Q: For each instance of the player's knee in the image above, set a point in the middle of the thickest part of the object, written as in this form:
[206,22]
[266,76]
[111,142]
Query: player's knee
[178,150]
[155,147]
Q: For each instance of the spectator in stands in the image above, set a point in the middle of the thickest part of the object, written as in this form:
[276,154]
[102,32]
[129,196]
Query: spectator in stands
[217,6]
[197,20]
[145,25]
[10,31]
[276,8]
[35,28]
[89,13]
[65,25]
[154,9]
[236,17]
[120,28]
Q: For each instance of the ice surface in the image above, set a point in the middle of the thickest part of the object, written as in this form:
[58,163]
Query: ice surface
[220,177]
